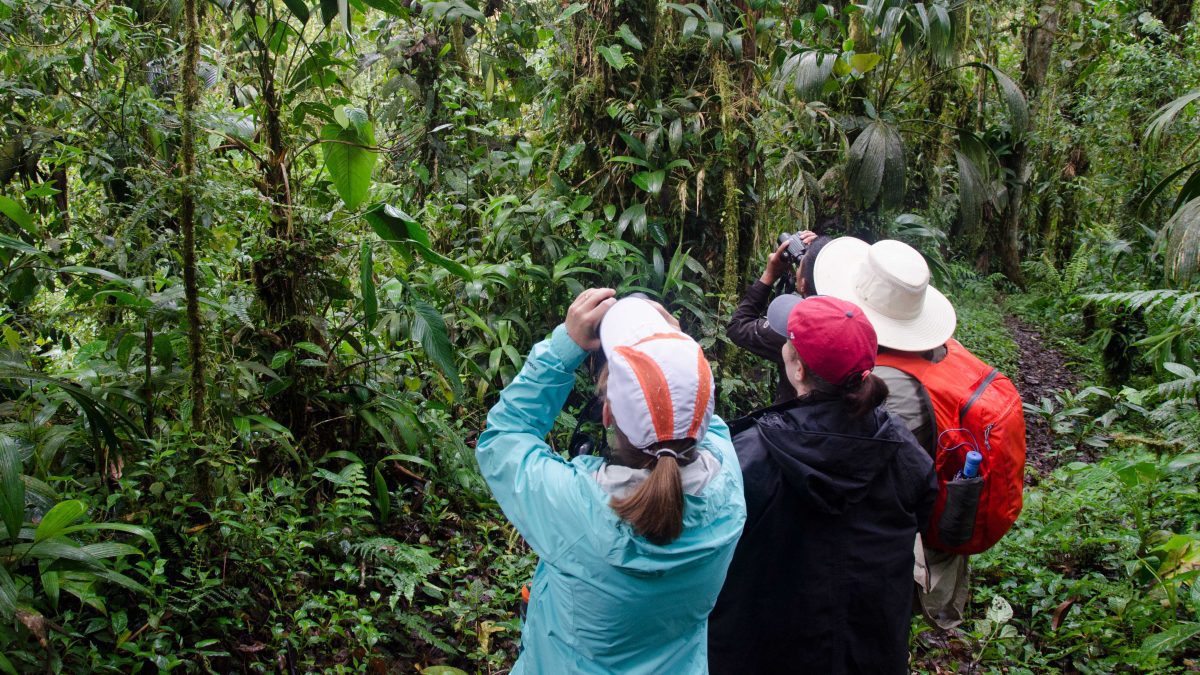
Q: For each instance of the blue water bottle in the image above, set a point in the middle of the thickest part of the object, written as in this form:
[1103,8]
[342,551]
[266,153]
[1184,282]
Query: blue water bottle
[971,467]
[957,524]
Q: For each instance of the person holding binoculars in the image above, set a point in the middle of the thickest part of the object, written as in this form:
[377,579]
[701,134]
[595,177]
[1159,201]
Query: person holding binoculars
[634,544]
[789,270]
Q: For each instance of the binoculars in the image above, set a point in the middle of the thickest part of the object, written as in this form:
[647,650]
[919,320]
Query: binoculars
[793,254]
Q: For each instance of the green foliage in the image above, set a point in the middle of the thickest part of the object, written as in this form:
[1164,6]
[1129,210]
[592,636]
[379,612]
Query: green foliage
[1089,569]
[395,201]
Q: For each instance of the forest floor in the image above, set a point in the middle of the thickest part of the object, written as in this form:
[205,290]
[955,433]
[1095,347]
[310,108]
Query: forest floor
[1042,371]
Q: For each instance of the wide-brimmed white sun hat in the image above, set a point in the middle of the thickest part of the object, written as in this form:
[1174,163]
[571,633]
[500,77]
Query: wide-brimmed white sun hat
[660,386]
[889,280]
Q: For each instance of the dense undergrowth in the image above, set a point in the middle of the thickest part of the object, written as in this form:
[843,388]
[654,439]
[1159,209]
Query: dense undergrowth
[265,265]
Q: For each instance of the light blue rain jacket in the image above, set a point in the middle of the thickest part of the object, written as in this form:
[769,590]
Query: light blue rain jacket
[603,600]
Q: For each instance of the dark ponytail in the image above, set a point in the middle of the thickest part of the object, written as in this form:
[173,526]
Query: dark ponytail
[869,393]
[860,394]
[655,509]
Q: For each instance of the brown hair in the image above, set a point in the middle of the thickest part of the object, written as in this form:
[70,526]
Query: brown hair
[860,394]
[655,509]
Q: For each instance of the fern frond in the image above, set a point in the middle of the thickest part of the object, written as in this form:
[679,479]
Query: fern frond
[1182,307]
[1182,388]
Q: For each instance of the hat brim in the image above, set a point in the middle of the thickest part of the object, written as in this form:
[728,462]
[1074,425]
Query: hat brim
[779,310]
[836,272]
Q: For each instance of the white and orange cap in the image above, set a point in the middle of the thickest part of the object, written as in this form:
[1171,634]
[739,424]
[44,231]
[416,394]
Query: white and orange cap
[660,386]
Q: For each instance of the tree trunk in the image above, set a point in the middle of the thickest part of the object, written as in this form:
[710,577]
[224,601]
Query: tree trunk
[1173,13]
[187,212]
[1039,45]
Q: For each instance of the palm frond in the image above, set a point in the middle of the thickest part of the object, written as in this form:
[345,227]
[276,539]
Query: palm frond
[875,166]
[1183,243]
[1165,116]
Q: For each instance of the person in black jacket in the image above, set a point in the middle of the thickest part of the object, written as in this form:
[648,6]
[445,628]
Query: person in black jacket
[836,490]
[748,328]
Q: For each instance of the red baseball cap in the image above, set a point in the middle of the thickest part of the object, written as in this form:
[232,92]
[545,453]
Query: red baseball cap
[833,337]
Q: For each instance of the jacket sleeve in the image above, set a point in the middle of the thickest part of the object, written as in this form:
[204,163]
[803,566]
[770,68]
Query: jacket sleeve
[545,497]
[748,328]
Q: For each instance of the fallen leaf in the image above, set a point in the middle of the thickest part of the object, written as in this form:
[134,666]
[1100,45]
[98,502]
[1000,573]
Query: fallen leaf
[1060,613]
[36,623]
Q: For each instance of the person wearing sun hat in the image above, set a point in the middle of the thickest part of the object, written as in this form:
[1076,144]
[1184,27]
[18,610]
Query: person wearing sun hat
[890,281]
[633,545]
[915,323]
[836,489]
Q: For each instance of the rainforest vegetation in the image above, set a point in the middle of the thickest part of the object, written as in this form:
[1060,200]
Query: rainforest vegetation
[265,264]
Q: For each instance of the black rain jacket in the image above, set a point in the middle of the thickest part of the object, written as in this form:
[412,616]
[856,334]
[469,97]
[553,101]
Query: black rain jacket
[821,581]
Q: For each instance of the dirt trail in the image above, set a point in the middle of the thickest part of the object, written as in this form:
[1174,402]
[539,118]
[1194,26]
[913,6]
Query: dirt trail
[1043,371]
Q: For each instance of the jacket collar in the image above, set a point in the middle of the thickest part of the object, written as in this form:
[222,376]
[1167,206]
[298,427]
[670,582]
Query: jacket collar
[619,481]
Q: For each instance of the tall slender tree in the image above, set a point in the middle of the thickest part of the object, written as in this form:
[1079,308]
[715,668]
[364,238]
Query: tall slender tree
[187,210]
[1039,46]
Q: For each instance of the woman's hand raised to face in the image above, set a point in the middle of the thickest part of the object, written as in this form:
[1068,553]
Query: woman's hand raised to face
[583,316]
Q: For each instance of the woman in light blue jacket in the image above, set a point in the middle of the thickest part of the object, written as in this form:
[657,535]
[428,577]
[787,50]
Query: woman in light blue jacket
[634,546]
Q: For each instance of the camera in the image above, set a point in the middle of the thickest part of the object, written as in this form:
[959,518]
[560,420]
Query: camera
[796,247]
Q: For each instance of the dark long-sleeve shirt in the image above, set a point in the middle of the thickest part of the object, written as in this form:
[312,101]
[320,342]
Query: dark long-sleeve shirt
[749,330]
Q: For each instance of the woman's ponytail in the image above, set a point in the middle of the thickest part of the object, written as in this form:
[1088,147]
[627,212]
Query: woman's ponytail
[866,395]
[861,393]
[655,509]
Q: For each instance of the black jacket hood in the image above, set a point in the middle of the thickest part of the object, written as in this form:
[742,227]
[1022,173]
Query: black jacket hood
[829,458]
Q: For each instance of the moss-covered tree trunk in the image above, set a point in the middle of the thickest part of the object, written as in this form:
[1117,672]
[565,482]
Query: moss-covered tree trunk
[1039,46]
[187,211]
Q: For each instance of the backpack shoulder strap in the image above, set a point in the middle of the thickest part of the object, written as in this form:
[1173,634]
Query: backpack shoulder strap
[905,362]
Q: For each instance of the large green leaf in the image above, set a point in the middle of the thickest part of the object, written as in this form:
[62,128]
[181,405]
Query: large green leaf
[59,517]
[1186,194]
[50,549]
[972,191]
[936,32]
[366,278]
[1170,639]
[299,9]
[350,159]
[864,63]
[393,224]
[120,580]
[114,527]
[1183,243]
[650,181]
[8,595]
[388,6]
[17,245]
[406,235]
[1014,98]
[429,328]
[110,549]
[12,489]
[634,216]
[18,214]
[612,54]
[875,166]
[103,420]
[809,72]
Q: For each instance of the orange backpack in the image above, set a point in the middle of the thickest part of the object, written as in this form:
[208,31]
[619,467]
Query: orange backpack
[976,408]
